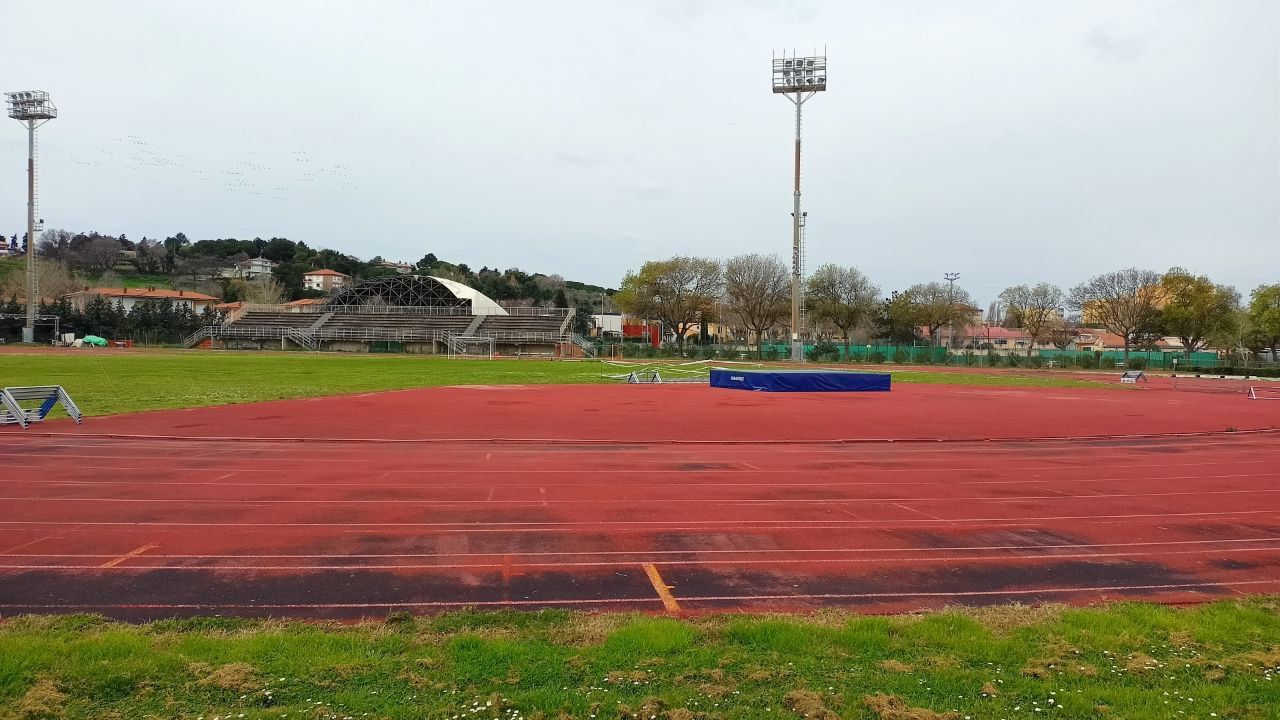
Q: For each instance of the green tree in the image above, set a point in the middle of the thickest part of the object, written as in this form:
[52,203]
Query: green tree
[1195,309]
[560,300]
[936,304]
[582,320]
[1264,315]
[842,296]
[678,291]
[895,320]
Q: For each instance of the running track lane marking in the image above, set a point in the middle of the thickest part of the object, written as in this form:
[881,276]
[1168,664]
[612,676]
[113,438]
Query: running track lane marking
[611,601]
[657,584]
[661,586]
[131,554]
[506,527]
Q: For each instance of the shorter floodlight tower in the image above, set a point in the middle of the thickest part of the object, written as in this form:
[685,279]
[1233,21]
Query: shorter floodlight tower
[32,108]
[798,78]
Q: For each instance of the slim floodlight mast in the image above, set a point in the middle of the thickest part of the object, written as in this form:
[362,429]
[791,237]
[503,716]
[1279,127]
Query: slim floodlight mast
[798,79]
[32,108]
[951,279]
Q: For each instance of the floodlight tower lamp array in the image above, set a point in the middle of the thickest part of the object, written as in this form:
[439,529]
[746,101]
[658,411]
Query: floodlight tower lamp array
[32,108]
[798,79]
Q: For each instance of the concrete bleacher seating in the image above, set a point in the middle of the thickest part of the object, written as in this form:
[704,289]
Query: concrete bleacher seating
[265,319]
[393,324]
[507,325]
[402,326]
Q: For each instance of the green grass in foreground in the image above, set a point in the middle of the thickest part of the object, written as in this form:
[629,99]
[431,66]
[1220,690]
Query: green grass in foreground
[104,382]
[1131,661]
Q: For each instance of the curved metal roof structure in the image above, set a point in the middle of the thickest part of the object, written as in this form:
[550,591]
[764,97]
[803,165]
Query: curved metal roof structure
[414,291]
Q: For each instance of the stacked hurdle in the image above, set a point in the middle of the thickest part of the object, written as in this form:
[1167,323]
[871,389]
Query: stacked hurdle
[1264,392]
[13,413]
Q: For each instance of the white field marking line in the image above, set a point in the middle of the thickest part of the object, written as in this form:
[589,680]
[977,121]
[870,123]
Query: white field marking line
[708,551]
[753,467]
[949,559]
[559,526]
[543,502]
[764,485]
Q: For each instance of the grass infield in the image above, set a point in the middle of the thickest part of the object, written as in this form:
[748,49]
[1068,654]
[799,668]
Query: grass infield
[106,382]
[1131,661]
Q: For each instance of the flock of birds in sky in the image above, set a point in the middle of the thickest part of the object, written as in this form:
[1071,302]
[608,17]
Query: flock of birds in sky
[251,176]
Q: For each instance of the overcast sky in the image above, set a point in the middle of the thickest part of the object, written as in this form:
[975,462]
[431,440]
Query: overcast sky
[1009,141]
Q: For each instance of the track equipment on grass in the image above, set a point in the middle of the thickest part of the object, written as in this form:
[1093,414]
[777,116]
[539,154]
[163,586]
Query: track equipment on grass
[12,412]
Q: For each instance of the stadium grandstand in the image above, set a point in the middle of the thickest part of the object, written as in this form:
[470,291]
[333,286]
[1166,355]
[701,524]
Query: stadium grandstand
[401,313]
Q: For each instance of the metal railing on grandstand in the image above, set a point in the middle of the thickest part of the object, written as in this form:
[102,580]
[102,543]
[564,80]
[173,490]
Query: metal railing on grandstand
[406,310]
[310,340]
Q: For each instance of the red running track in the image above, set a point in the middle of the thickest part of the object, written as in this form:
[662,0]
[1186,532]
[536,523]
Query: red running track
[138,527]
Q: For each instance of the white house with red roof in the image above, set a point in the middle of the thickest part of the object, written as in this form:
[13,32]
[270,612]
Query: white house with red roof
[325,280]
[128,297]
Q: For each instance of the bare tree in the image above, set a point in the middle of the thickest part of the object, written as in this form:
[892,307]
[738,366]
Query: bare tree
[678,291]
[149,256]
[1125,302]
[757,290]
[100,253]
[842,296]
[265,292]
[936,304]
[1034,307]
[55,244]
[53,280]
[1061,332]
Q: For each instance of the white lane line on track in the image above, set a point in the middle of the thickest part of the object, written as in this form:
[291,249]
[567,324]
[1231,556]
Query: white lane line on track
[543,502]
[146,482]
[645,600]
[300,465]
[651,553]
[560,526]
[949,559]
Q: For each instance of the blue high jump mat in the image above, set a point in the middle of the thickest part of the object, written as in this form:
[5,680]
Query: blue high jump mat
[800,380]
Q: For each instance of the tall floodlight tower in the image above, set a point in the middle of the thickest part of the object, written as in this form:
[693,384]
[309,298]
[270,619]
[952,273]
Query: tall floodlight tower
[798,79]
[951,279]
[32,108]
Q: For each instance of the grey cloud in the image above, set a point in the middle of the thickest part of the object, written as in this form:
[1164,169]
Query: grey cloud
[1110,47]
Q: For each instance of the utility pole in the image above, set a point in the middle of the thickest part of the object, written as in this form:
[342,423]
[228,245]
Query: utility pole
[799,79]
[32,108]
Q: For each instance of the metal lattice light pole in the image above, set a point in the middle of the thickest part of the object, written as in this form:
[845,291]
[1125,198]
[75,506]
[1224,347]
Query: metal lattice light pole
[798,78]
[32,108]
